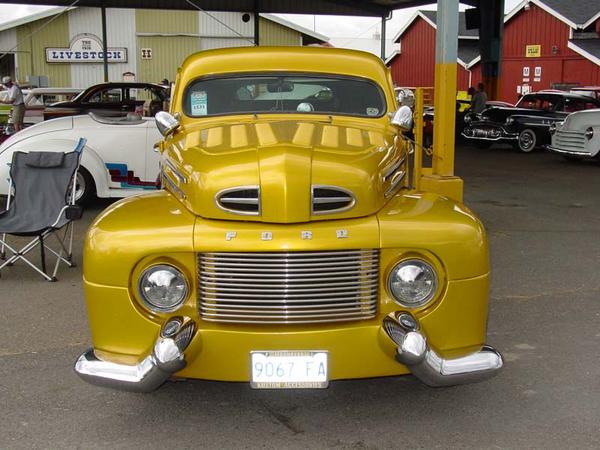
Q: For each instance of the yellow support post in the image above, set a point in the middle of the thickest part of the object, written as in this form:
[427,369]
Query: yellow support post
[442,179]
[445,118]
[418,162]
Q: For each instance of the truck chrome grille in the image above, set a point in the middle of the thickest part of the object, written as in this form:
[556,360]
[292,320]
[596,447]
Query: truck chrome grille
[570,140]
[244,200]
[288,287]
[331,199]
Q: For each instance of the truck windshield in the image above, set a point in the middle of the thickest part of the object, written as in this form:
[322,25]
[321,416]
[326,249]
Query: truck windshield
[288,94]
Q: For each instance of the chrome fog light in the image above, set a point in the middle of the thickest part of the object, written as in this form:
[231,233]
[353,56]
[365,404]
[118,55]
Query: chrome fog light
[163,288]
[413,283]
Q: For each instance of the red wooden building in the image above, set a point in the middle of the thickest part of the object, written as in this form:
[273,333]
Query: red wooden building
[547,44]
[414,63]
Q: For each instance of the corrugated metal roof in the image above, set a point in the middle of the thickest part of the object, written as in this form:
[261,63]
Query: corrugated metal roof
[578,12]
[30,18]
[462,24]
[308,35]
[377,8]
[468,50]
[589,48]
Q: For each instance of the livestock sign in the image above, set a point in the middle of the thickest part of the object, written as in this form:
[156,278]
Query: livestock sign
[86,48]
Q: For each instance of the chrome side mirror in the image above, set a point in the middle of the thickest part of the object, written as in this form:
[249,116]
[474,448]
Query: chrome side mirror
[166,123]
[403,118]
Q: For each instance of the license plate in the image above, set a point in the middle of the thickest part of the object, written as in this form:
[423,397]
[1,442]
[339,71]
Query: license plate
[289,369]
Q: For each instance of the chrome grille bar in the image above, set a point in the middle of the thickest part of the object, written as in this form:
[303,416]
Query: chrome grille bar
[284,287]
[288,287]
[222,296]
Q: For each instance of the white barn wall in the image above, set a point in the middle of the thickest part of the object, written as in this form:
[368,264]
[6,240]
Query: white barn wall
[8,41]
[120,31]
[214,35]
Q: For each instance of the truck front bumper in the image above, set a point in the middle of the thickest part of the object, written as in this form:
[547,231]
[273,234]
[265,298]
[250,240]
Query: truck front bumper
[166,358]
[400,331]
[414,352]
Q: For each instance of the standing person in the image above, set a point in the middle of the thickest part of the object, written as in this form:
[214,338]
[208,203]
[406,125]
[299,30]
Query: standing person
[15,98]
[479,99]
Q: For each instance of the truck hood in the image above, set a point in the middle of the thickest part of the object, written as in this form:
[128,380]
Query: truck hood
[581,120]
[283,171]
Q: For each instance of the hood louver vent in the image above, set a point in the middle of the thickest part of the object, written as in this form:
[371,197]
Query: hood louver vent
[244,200]
[331,199]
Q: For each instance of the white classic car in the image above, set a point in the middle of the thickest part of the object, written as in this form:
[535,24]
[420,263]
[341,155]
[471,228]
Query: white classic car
[578,136]
[118,159]
[37,99]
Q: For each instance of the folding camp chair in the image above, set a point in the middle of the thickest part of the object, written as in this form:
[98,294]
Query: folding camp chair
[43,204]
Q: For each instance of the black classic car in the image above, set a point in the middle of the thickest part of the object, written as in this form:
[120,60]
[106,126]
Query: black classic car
[113,99]
[462,111]
[526,126]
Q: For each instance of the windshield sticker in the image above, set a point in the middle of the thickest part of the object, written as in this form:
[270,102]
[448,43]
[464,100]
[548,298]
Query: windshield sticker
[199,103]
[372,111]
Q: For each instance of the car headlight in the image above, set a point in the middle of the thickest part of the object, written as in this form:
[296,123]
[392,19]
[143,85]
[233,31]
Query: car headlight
[163,288]
[589,133]
[413,283]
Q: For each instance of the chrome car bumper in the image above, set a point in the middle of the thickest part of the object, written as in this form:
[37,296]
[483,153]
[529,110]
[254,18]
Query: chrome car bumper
[166,358]
[567,152]
[433,370]
[488,133]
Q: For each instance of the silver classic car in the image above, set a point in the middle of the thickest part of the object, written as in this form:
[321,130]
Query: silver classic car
[578,136]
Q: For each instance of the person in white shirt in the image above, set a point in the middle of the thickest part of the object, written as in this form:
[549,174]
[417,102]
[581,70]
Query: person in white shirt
[15,98]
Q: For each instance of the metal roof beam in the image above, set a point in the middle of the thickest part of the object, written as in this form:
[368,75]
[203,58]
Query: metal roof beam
[372,8]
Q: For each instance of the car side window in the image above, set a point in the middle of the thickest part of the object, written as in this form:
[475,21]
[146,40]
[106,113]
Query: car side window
[547,105]
[530,102]
[575,104]
[48,99]
[145,94]
[36,100]
[107,95]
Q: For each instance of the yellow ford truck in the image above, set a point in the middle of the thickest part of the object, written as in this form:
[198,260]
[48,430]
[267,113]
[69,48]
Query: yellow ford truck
[288,247]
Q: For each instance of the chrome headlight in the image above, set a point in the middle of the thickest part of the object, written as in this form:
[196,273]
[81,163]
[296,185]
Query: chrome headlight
[413,283]
[163,288]
[589,133]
